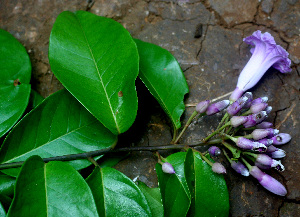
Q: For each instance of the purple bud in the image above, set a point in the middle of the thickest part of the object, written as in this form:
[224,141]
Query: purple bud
[262,133]
[236,106]
[259,100]
[239,168]
[268,161]
[168,168]
[255,119]
[264,125]
[279,153]
[271,149]
[214,151]
[250,145]
[250,98]
[217,107]
[266,142]
[258,107]
[268,182]
[262,166]
[202,106]
[238,120]
[218,168]
[268,109]
[281,138]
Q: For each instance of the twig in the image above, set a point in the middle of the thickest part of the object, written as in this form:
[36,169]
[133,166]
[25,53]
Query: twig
[90,154]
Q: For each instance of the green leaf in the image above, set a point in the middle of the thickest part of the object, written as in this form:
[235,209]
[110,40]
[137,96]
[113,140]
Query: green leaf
[52,189]
[209,191]
[163,76]
[7,184]
[15,75]
[2,211]
[5,201]
[110,160]
[117,195]
[173,187]
[60,125]
[35,99]
[153,197]
[96,59]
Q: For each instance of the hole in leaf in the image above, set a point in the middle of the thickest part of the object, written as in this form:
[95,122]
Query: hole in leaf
[17,82]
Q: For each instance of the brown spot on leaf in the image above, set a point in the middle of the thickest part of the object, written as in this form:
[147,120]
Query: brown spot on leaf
[120,94]
[17,82]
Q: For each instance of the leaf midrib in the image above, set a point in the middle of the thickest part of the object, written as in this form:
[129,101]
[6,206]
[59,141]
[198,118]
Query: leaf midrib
[101,81]
[50,141]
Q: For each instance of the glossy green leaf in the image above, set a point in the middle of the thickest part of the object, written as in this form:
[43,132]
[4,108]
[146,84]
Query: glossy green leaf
[2,211]
[7,184]
[209,191]
[60,125]
[5,201]
[15,72]
[153,197]
[96,59]
[173,187]
[116,195]
[52,189]
[163,76]
[35,99]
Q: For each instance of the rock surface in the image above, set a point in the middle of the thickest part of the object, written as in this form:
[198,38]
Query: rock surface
[206,38]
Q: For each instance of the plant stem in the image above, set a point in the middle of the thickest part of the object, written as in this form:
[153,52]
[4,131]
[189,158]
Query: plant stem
[246,163]
[217,131]
[186,126]
[93,161]
[109,150]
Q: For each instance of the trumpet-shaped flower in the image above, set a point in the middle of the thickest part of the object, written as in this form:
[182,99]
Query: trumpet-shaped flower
[265,54]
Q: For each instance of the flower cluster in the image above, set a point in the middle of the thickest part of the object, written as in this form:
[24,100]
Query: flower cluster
[249,143]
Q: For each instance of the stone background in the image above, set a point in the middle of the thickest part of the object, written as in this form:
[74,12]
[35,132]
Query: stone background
[206,38]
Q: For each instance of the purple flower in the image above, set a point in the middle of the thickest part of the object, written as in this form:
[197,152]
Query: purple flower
[240,168]
[264,125]
[217,107]
[264,55]
[250,98]
[279,153]
[266,142]
[168,168]
[258,107]
[214,151]
[202,106]
[218,168]
[268,182]
[260,100]
[250,145]
[238,120]
[268,161]
[236,106]
[268,109]
[281,138]
[262,133]
[255,119]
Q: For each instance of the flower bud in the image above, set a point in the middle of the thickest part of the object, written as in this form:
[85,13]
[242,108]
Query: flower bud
[168,168]
[281,138]
[238,120]
[268,182]
[239,168]
[218,168]
[214,151]
[202,106]
[279,153]
[250,98]
[262,133]
[268,161]
[250,145]
[268,109]
[271,149]
[236,106]
[255,119]
[217,107]
[258,107]
[266,142]
[259,100]
[264,125]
